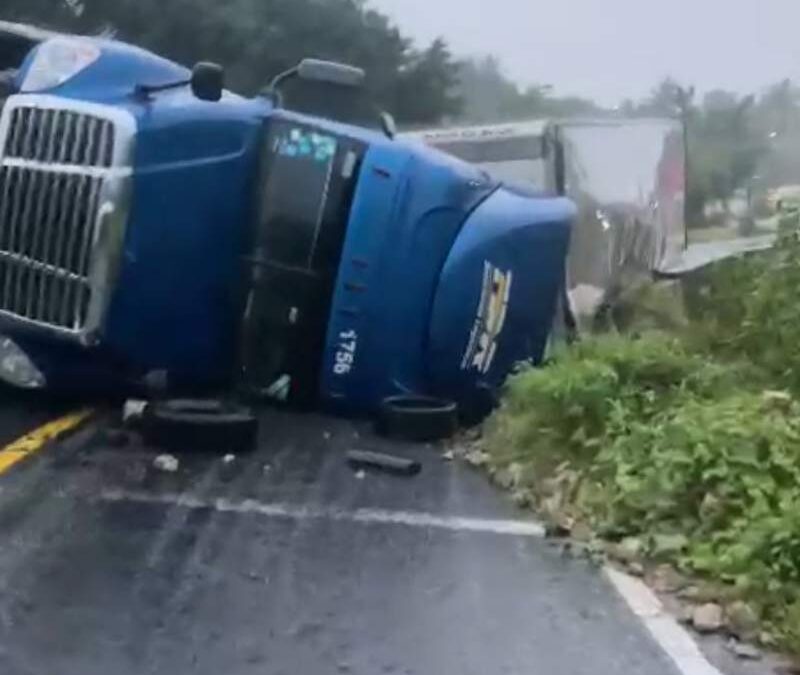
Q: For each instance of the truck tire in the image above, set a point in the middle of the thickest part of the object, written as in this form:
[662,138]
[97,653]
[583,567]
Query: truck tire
[208,425]
[417,418]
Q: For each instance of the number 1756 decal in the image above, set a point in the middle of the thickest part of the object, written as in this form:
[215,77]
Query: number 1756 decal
[346,352]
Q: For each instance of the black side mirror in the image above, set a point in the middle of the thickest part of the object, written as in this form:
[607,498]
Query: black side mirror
[208,81]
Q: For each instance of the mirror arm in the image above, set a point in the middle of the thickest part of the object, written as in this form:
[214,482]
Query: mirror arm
[144,90]
[272,88]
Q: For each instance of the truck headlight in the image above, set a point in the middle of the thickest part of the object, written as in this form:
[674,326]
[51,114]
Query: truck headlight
[58,60]
[16,367]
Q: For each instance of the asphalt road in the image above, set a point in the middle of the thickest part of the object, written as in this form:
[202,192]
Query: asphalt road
[286,562]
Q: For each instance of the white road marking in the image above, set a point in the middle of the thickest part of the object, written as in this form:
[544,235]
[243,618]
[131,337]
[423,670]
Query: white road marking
[670,636]
[673,638]
[517,528]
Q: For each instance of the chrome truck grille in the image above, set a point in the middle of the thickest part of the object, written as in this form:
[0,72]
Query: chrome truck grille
[64,178]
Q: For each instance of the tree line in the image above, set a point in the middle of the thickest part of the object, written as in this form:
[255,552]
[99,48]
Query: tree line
[257,39]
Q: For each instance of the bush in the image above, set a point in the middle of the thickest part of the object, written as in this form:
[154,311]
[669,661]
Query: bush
[590,392]
[644,436]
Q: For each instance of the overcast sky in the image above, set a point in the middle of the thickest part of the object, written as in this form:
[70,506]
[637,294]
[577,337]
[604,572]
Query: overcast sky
[610,49]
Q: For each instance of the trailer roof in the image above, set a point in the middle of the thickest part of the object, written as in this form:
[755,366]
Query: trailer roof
[484,132]
[26,31]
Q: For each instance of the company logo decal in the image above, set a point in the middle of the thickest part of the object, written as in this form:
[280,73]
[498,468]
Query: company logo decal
[490,319]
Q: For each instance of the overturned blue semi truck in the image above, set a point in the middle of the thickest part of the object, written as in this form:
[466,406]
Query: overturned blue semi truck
[151,222]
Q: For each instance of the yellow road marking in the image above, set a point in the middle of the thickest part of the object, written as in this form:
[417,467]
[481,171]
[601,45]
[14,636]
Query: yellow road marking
[35,440]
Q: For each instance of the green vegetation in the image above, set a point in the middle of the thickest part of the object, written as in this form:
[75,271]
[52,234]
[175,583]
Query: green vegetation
[688,441]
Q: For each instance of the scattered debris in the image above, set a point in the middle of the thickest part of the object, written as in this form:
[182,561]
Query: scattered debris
[743,650]
[362,459]
[166,463]
[707,618]
[229,459]
[742,620]
[133,411]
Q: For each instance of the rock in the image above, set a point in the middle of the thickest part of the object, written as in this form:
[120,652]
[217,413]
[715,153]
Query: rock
[477,458]
[665,545]
[510,476]
[517,472]
[743,650]
[636,569]
[742,620]
[780,400]
[504,479]
[166,463]
[703,592]
[666,579]
[707,618]
[767,639]
[628,550]
[686,614]
[522,498]
[582,532]
[559,523]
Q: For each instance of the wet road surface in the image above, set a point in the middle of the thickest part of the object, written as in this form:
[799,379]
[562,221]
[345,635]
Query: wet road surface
[108,566]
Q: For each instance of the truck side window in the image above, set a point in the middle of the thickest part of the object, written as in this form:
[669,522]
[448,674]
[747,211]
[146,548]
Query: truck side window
[296,193]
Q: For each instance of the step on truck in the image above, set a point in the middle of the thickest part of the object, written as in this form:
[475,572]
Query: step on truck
[152,222]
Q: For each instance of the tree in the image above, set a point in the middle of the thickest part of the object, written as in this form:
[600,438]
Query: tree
[489,96]
[427,84]
[256,39]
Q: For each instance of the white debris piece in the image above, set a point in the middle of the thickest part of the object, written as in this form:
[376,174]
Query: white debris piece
[229,459]
[327,435]
[167,463]
[449,455]
[361,475]
[133,410]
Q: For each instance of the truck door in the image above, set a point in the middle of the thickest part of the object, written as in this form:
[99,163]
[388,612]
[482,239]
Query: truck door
[307,181]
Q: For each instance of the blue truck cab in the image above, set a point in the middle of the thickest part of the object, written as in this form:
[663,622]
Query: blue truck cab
[152,228]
